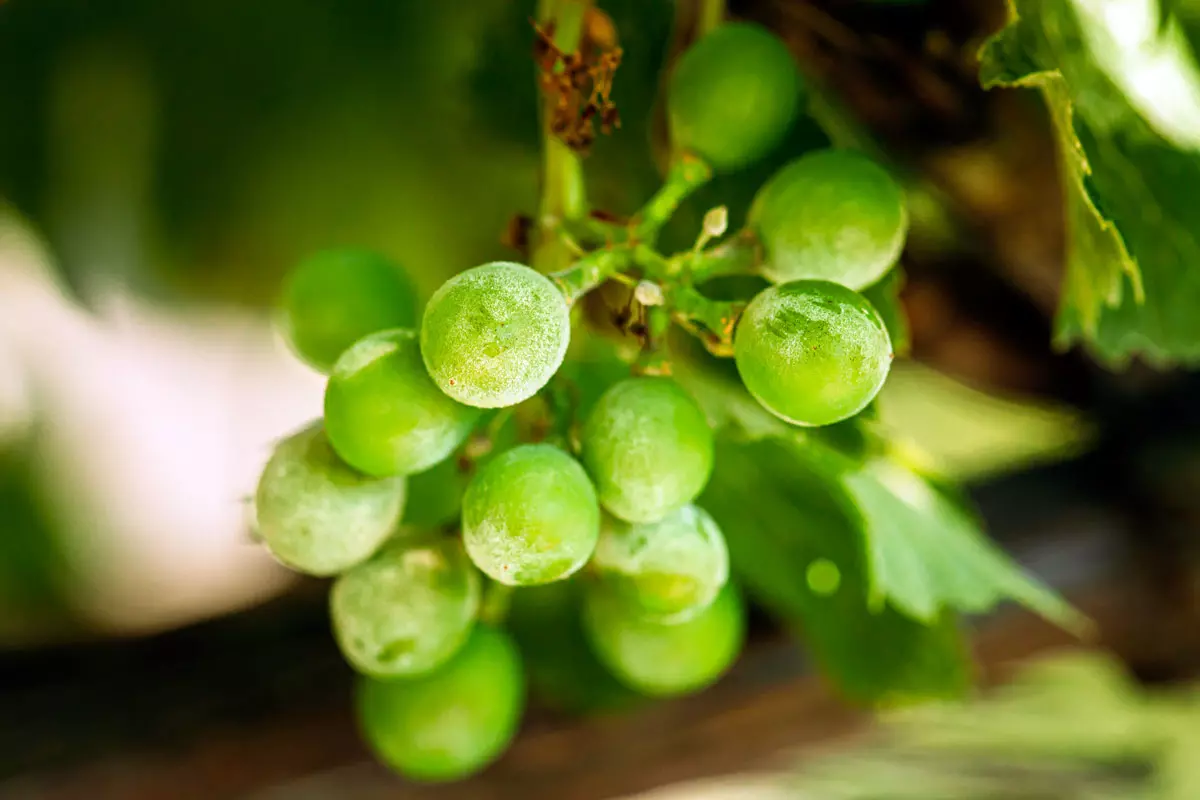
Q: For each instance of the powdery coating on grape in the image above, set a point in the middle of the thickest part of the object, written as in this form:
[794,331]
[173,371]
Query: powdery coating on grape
[671,569]
[530,516]
[383,413]
[812,352]
[315,513]
[648,447]
[452,722]
[832,215]
[334,298]
[733,96]
[664,659]
[408,609]
[494,335]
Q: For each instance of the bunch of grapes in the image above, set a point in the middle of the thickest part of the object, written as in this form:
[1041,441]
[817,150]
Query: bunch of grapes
[416,494]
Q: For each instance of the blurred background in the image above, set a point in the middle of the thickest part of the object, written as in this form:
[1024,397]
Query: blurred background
[162,165]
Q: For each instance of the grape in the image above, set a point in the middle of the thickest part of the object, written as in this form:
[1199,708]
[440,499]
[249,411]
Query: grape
[812,352]
[452,722]
[383,413]
[435,495]
[671,569]
[733,96]
[408,609]
[530,516]
[334,298]
[664,659]
[648,447]
[316,514]
[494,335]
[832,215]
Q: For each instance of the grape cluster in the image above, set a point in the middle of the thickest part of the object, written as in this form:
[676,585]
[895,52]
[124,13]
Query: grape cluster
[428,500]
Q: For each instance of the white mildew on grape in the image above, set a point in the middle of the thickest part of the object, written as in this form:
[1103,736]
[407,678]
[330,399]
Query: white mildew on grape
[672,568]
[812,352]
[648,447]
[494,335]
[408,609]
[530,516]
[318,515]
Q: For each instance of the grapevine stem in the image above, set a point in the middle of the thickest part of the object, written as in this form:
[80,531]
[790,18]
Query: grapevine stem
[563,194]
[712,321]
[740,255]
[590,271]
[687,174]
[497,597]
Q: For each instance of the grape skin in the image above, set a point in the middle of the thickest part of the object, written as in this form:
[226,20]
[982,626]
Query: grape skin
[648,447]
[670,570]
[663,659]
[494,335]
[733,96]
[408,609]
[315,513]
[383,413]
[831,215]
[334,298]
[530,516]
[812,352]
[452,722]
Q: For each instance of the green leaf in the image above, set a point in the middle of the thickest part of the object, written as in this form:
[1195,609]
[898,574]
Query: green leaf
[772,499]
[927,554]
[1123,90]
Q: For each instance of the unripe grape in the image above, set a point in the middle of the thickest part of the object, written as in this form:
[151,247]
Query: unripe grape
[383,413]
[334,298]
[406,610]
[452,722]
[530,516]
[648,447]
[733,96]
[812,352]
[833,215]
[671,569]
[318,515]
[494,335]
[664,659]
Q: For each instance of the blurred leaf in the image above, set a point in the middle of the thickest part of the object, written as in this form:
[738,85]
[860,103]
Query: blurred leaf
[1124,94]
[974,434]
[927,553]
[773,502]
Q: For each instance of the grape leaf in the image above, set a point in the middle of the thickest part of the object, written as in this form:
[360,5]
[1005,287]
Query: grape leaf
[772,500]
[1123,90]
[926,553]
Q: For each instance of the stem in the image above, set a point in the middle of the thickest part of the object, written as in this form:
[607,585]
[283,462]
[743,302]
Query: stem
[740,255]
[563,193]
[687,174]
[712,321]
[712,14]
[497,597]
[590,271]
[655,358]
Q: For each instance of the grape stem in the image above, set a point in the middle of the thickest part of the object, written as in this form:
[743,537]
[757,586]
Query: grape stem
[687,174]
[590,271]
[711,321]
[738,255]
[497,598]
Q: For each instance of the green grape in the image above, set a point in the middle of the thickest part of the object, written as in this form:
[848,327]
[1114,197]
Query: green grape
[406,610]
[665,659]
[450,723]
[812,352]
[383,413]
[833,215]
[494,335]
[648,447]
[315,513]
[530,516]
[334,298]
[733,96]
[670,569]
